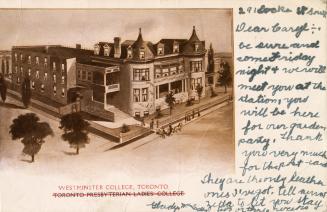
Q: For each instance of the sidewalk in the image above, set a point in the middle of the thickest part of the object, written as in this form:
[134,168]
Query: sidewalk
[180,110]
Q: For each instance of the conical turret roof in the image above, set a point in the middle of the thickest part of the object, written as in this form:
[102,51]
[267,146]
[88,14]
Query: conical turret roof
[194,36]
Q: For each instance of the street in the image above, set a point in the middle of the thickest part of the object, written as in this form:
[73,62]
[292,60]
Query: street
[204,145]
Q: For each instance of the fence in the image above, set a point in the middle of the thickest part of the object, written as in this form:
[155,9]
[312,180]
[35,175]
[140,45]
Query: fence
[190,114]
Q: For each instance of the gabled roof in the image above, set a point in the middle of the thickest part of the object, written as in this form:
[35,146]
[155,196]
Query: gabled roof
[186,46]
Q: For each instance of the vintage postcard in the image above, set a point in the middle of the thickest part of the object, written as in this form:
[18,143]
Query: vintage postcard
[213,107]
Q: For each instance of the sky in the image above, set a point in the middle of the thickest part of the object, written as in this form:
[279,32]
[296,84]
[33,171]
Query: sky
[87,27]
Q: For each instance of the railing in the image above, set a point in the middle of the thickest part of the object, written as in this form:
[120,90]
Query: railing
[192,112]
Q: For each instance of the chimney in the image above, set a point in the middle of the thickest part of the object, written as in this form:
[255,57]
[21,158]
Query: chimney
[117,47]
[78,46]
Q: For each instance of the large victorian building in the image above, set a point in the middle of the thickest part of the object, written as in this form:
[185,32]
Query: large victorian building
[136,75]
[133,76]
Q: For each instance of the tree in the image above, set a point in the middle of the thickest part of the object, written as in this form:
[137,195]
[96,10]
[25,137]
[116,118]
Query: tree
[32,132]
[170,100]
[199,89]
[225,78]
[3,88]
[211,63]
[75,130]
[26,92]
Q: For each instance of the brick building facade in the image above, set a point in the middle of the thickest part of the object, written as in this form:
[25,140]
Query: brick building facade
[50,69]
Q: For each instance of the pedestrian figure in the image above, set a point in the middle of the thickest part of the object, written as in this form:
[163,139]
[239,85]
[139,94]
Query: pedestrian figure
[198,113]
[170,130]
[142,122]
[193,114]
[157,123]
[151,124]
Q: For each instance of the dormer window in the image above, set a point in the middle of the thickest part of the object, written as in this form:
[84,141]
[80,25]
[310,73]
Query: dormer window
[129,52]
[106,50]
[176,48]
[160,51]
[96,49]
[196,47]
[142,54]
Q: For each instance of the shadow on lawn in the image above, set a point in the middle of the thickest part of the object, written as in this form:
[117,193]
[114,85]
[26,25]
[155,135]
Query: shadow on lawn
[69,153]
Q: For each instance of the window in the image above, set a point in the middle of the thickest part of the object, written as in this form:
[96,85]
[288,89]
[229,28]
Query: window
[106,50]
[45,76]
[137,115]
[79,74]
[98,78]
[45,62]
[199,81]
[136,93]
[62,79]
[173,70]
[63,92]
[62,67]
[141,75]
[18,80]
[37,61]
[21,57]
[53,65]
[29,72]
[146,113]
[42,87]
[89,76]
[129,52]
[29,60]
[21,71]
[83,75]
[196,47]
[180,68]
[157,73]
[163,90]
[165,72]
[144,94]
[177,86]
[33,85]
[16,69]
[37,74]
[160,51]
[176,48]
[142,54]
[54,90]
[96,49]
[193,84]
[16,58]
[196,66]
[54,78]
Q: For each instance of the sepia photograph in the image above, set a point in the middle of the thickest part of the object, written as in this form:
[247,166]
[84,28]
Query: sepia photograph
[88,93]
